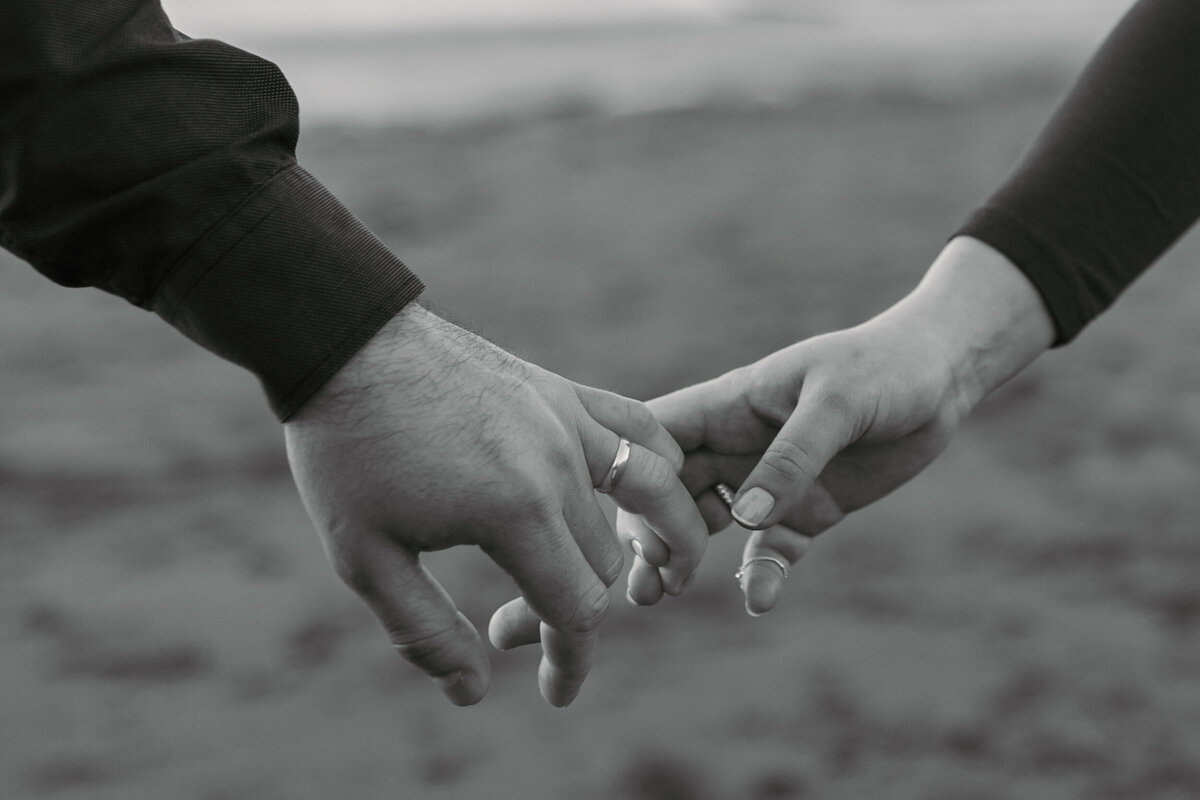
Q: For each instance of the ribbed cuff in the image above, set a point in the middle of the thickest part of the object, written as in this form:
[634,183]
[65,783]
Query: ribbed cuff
[289,286]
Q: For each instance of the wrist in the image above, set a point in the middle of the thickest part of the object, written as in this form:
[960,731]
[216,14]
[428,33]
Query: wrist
[388,360]
[417,359]
[986,316]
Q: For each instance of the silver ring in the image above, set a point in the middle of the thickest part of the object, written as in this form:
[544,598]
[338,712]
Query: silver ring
[725,493]
[618,466]
[737,576]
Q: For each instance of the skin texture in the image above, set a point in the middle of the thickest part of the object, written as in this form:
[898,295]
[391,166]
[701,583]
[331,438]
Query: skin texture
[831,424]
[827,426]
[431,437]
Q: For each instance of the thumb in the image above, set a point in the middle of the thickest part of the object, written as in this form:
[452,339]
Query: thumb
[817,430]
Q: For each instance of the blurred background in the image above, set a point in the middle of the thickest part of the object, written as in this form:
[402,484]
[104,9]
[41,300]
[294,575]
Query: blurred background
[638,195]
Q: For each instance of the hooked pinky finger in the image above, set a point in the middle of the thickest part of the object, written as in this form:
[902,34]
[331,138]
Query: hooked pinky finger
[514,625]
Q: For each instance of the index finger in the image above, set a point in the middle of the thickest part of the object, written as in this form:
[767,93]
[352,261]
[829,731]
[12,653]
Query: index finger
[683,415]
[630,419]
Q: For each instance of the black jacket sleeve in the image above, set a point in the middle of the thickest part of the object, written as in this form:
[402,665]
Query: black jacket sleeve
[1114,179]
[162,169]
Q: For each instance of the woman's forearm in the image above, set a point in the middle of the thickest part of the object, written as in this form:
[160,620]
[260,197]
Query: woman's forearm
[1114,178]
[989,319]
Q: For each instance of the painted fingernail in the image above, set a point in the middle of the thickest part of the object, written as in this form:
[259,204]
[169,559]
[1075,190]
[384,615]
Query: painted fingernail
[752,507]
[637,549]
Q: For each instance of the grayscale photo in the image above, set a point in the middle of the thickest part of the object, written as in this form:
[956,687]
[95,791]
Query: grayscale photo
[626,400]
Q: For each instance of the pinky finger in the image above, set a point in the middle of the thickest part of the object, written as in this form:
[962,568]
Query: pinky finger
[514,625]
[762,575]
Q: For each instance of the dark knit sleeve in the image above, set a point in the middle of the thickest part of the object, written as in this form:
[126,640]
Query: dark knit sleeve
[162,169]
[1114,178]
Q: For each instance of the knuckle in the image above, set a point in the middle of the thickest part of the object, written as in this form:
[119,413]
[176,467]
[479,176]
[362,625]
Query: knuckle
[526,493]
[737,379]
[560,451]
[543,511]
[589,612]
[660,477]
[646,428]
[613,567]
[433,651]
[751,380]
[642,422]
[789,461]
[836,399]
[354,570]
[668,449]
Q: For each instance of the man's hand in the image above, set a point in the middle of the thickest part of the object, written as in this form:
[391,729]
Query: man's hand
[432,437]
[824,427]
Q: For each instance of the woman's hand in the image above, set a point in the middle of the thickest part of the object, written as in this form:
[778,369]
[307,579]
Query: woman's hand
[810,433]
[829,425]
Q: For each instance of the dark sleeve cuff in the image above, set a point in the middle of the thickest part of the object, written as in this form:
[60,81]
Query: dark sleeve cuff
[290,285]
[1113,180]
[1065,293]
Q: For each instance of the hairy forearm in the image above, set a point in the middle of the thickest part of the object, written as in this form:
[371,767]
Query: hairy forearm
[987,317]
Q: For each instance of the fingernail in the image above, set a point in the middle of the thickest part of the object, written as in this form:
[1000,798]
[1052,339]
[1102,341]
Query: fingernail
[686,583]
[562,700]
[637,549]
[753,506]
[629,597]
[757,603]
[457,687]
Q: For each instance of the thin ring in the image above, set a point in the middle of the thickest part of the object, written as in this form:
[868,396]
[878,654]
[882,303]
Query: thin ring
[725,493]
[618,466]
[737,576]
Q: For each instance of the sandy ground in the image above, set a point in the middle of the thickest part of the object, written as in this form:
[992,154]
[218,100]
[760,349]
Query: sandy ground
[1021,621]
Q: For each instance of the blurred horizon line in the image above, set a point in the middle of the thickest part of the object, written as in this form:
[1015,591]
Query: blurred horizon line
[450,75]
[289,19]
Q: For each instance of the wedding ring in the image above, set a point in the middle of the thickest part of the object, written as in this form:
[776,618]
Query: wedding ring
[737,576]
[618,466]
[725,493]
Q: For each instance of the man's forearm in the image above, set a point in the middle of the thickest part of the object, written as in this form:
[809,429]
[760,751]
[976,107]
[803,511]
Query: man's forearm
[162,169]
